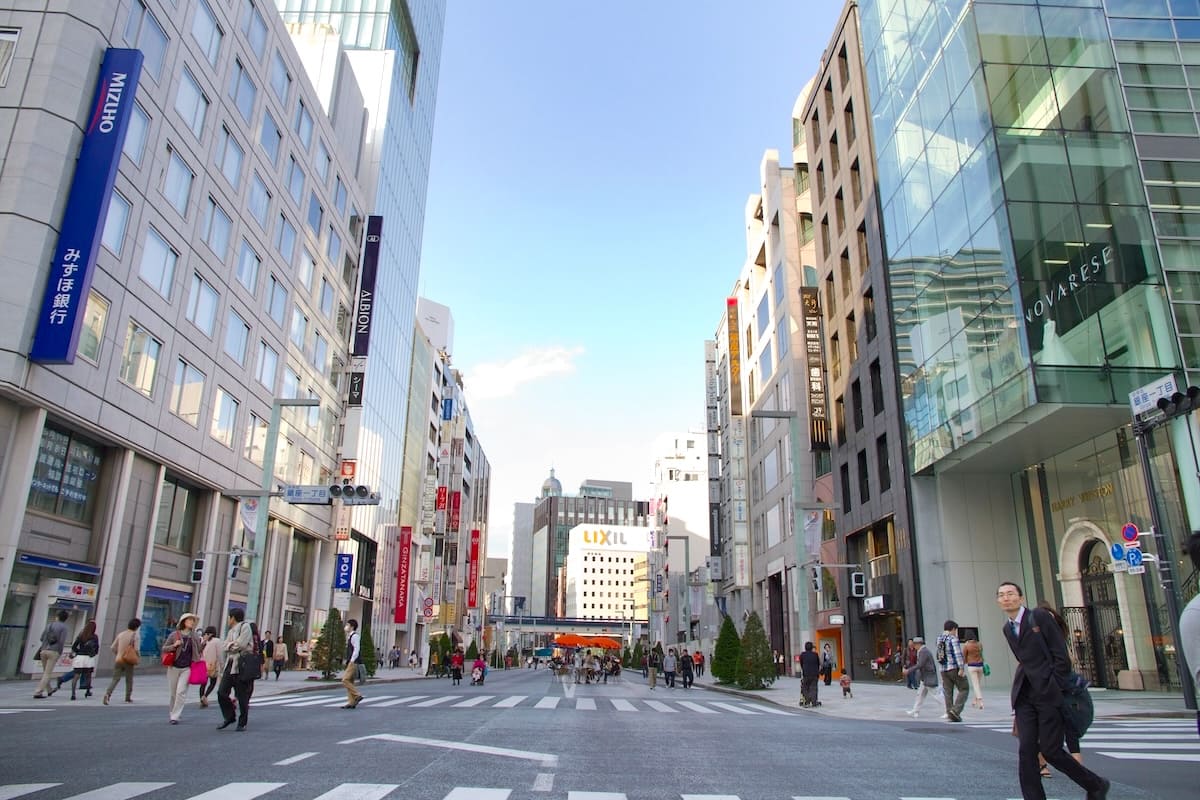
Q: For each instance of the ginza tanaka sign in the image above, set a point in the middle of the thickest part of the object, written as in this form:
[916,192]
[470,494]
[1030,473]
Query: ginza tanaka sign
[1087,270]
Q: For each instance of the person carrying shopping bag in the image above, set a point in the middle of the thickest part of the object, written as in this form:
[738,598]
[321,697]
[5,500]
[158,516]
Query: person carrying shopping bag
[83,660]
[183,650]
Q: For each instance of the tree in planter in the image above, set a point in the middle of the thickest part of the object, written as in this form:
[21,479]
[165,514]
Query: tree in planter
[366,650]
[472,652]
[726,653]
[638,652]
[626,658]
[329,654]
[755,666]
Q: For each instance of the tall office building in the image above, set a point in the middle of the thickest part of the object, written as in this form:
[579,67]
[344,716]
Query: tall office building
[1037,280]
[520,556]
[180,217]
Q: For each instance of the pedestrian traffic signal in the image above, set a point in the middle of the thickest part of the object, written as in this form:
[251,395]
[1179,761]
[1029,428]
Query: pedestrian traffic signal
[816,581]
[235,562]
[1180,403]
[354,495]
[197,570]
[858,584]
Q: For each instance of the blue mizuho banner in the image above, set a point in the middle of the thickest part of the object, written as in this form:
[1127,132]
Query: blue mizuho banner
[57,332]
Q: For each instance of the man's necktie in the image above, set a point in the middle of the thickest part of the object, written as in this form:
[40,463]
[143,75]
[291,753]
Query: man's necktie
[1012,625]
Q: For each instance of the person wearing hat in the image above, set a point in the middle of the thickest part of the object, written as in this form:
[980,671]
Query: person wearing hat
[926,672]
[186,646]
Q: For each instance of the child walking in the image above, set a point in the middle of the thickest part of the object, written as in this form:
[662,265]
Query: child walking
[845,683]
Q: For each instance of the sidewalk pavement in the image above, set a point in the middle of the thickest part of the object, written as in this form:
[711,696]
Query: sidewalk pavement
[150,687]
[876,700]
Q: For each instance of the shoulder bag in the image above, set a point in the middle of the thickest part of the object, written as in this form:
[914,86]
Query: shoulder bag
[129,653]
[250,662]
[1078,709]
[168,657]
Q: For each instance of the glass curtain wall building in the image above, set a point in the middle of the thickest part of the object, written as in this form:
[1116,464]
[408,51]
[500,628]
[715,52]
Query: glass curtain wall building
[1028,297]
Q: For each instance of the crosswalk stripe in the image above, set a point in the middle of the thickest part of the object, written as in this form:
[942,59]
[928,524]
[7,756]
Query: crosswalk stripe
[696,707]
[359,791]
[120,791]
[1141,737]
[733,708]
[1127,745]
[623,705]
[469,793]
[375,699]
[547,702]
[324,701]
[585,704]
[287,699]
[296,759]
[814,797]
[238,791]
[661,706]
[709,797]
[474,701]
[770,710]
[22,789]
[596,796]
[510,702]
[434,701]
[25,710]
[401,700]
[1186,757]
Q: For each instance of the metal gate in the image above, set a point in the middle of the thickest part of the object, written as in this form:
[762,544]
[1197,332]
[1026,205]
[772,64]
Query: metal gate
[1097,638]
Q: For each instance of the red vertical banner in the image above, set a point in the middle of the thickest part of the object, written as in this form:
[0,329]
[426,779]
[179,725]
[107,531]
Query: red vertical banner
[402,572]
[473,572]
[455,510]
[440,500]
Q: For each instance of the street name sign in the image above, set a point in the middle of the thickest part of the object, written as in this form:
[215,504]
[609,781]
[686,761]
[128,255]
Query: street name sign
[306,494]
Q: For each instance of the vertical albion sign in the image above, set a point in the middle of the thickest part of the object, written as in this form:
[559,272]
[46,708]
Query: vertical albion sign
[814,352]
[366,288]
[473,572]
[402,573]
[57,334]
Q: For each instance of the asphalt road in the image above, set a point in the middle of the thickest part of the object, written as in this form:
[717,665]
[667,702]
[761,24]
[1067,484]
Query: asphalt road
[521,736]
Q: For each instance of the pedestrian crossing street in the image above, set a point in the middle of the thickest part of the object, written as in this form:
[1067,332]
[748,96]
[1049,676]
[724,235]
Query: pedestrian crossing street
[547,703]
[1135,740]
[352,791]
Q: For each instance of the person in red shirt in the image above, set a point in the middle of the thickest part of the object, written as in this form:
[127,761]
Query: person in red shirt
[456,667]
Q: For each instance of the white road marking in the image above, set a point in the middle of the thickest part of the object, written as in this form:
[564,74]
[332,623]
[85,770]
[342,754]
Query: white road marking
[474,701]
[359,791]
[27,711]
[510,702]
[290,698]
[1127,745]
[293,760]
[709,797]
[696,707]
[927,798]
[596,796]
[660,706]
[770,709]
[324,701]
[623,705]
[547,702]
[733,708]
[1190,757]
[469,793]
[1117,739]
[374,699]
[436,701]
[585,704]
[547,759]
[22,789]
[400,700]
[120,791]
[814,797]
[544,782]
[238,791]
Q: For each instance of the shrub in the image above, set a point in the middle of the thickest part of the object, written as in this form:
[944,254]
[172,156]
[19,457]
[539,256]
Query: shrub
[727,653]
[330,651]
[755,667]
[366,649]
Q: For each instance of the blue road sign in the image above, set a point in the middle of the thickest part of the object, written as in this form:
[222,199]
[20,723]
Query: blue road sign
[1130,532]
[1133,557]
[1118,551]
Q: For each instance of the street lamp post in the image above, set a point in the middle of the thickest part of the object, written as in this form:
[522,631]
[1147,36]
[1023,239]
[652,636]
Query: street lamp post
[264,503]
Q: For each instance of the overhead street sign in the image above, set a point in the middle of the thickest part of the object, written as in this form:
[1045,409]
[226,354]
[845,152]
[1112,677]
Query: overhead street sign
[302,494]
[1146,398]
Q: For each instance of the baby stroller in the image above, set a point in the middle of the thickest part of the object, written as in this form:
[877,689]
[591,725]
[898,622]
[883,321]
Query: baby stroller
[477,676]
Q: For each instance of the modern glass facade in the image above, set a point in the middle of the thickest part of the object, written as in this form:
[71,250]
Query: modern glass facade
[1020,244]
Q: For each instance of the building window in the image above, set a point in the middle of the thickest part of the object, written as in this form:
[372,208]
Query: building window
[851,339]
[237,335]
[191,103]
[844,474]
[207,32]
[849,126]
[291,383]
[8,49]
[308,266]
[139,361]
[256,438]
[259,200]
[806,228]
[864,483]
[177,186]
[304,124]
[157,267]
[326,299]
[339,196]
[295,181]
[177,510]
[281,81]
[187,392]
[217,230]
[839,419]
[255,29]
[65,475]
[333,248]
[115,223]
[835,357]
[143,31]
[225,410]
[135,134]
[869,314]
[270,137]
[247,267]
[243,91]
[885,467]
[202,305]
[856,404]
[845,269]
[285,241]
[876,388]
[322,162]
[316,214]
[320,358]
[276,300]
[91,334]
[268,365]
[229,157]
[299,331]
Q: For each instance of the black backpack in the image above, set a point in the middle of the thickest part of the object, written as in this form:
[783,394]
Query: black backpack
[941,650]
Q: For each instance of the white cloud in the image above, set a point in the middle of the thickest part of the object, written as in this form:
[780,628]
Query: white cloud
[503,378]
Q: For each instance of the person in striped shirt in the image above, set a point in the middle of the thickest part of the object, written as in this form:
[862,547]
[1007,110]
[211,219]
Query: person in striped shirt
[953,667]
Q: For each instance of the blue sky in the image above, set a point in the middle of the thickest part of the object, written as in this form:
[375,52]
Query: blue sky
[591,164]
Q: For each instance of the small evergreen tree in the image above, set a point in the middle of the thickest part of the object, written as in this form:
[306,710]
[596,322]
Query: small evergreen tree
[330,651]
[626,658]
[755,667]
[472,652]
[366,649]
[726,653]
[638,652]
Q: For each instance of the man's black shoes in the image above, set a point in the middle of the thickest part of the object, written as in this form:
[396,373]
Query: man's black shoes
[1102,792]
[225,724]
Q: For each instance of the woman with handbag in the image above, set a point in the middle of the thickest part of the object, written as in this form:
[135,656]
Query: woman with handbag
[182,651]
[83,661]
[125,648]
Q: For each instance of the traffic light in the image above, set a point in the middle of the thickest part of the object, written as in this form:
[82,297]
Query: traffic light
[816,581]
[354,495]
[1180,403]
[858,584]
[235,561]
[197,570]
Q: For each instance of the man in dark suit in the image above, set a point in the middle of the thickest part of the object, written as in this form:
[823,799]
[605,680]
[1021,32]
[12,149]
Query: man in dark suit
[1037,696]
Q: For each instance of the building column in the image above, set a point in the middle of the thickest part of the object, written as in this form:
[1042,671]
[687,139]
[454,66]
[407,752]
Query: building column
[15,477]
[204,590]
[112,560]
[144,581]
